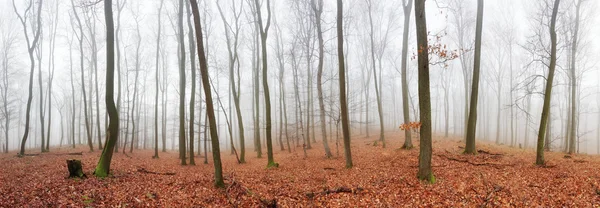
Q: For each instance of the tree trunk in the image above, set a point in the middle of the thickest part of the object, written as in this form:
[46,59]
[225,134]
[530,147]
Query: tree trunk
[207,93]
[39,54]
[157,81]
[263,37]
[574,112]
[377,89]
[103,167]
[539,159]
[425,150]
[193,94]
[406,113]
[472,124]
[85,113]
[317,8]
[342,77]
[181,45]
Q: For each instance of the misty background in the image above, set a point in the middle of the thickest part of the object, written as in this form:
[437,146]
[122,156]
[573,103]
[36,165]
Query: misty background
[514,62]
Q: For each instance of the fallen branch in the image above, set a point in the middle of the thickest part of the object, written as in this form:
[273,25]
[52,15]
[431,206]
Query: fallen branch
[495,165]
[491,194]
[488,153]
[335,191]
[143,170]
[266,202]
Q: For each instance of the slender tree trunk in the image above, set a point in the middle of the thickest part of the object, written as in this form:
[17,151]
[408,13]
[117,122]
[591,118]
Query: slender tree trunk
[539,159]
[377,89]
[263,37]
[180,39]
[343,99]
[406,113]
[85,107]
[158,36]
[103,167]
[574,112]
[317,8]
[207,93]
[232,48]
[472,124]
[193,94]
[425,149]
[39,53]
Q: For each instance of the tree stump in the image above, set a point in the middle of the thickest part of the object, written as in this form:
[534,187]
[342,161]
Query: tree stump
[75,169]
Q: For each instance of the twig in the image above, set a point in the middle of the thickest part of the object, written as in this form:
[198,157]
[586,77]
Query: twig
[143,170]
[335,191]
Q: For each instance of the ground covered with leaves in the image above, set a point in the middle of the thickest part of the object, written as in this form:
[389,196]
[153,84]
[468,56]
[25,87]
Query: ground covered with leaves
[498,176]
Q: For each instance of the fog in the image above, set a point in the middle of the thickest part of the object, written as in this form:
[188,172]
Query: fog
[514,64]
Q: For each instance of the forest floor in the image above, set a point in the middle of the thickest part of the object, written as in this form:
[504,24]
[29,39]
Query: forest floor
[498,176]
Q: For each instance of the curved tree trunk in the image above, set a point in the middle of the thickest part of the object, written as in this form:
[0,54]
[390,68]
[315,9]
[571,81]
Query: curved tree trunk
[318,10]
[539,159]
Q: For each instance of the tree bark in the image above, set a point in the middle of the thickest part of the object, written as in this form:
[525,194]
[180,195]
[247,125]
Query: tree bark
[342,77]
[157,57]
[407,7]
[425,149]
[263,37]
[193,94]
[317,8]
[207,93]
[472,124]
[85,113]
[181,45]
[573,124]
[103,167]
[539,159]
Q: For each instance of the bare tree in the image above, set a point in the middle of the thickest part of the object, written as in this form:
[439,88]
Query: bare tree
[181,53]
[263,37]
[472,124]
[342,77]
[539,159]
[232,37]
[317,8]
[207,93]
[103,167]
[30,49]
[407,7]
[157,57]
[425,149]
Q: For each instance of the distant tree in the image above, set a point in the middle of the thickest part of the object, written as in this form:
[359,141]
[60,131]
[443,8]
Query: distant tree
[80,37]
[181,46]
[31,45]
[472,123]
[425,149]
[264,30]
[103,167]
[342,77]
[157,57]
[232,36]
[53,26]
[317,8]
[193,93]
[207,93]
[407,7]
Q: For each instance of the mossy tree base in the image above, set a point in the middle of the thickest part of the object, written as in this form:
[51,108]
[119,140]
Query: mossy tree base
[429,178]
[273,165]
[75,169]
[407,147]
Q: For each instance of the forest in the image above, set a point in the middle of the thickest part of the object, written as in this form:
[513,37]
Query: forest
[299,103]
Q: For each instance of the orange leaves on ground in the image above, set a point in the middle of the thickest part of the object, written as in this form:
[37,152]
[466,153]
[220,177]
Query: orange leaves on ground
[496,177]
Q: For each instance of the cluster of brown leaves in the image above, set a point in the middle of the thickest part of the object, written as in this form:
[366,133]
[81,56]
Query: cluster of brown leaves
[497,176]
